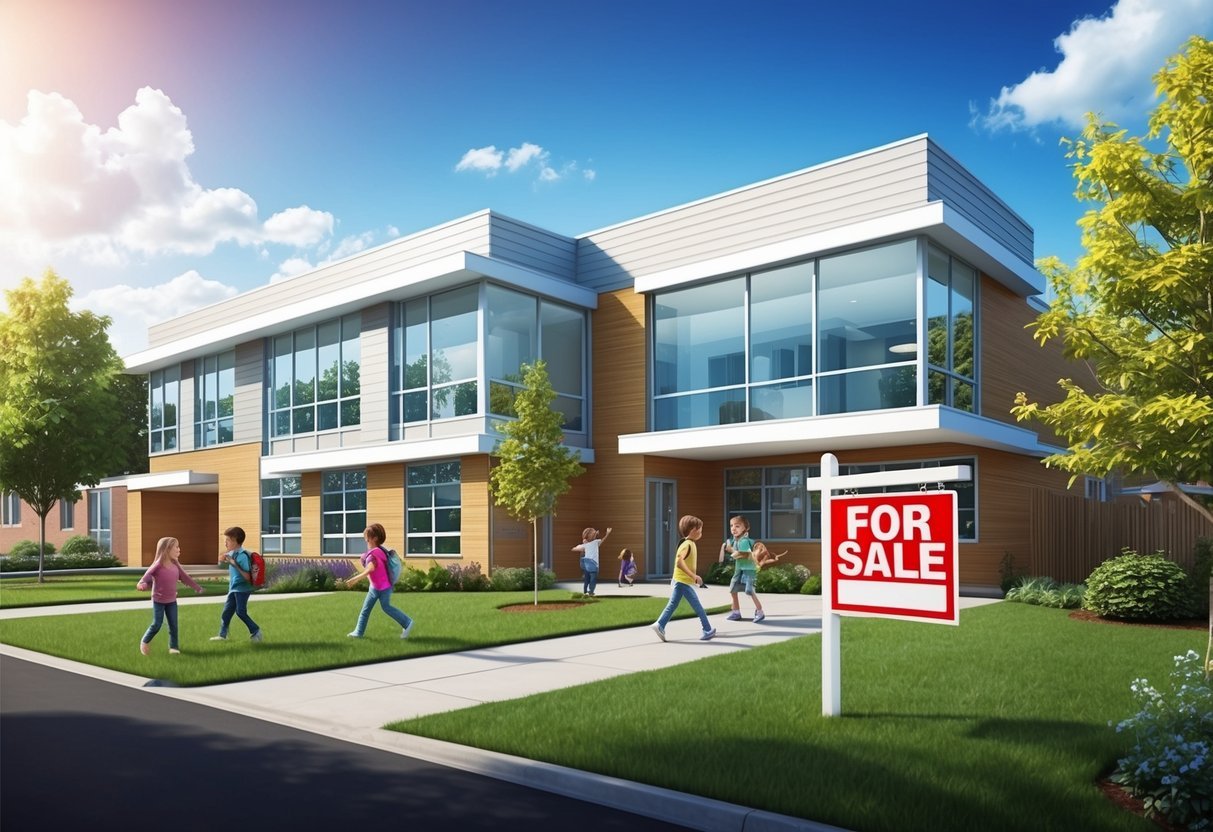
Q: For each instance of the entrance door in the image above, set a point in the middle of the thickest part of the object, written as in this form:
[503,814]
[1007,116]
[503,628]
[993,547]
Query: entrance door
[661,525]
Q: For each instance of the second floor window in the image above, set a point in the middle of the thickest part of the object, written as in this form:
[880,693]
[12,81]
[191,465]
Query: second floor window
[10,509]
[214,394]
[315,378]
[435,361]
[163,388]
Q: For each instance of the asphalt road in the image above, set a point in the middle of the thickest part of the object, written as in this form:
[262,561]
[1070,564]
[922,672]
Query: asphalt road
[79,753]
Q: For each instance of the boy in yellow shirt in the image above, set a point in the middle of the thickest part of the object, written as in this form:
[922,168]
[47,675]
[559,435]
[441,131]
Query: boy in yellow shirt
[685,580]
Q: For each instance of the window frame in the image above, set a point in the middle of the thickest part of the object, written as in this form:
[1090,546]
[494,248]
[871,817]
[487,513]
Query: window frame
[284,420]
[414,509]
[100,510]
[158,387]
[10,509]
[204,379]
[281,538]
[351,534]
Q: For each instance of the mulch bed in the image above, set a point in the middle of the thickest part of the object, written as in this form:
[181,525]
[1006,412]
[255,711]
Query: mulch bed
[546,606]
[1187,624]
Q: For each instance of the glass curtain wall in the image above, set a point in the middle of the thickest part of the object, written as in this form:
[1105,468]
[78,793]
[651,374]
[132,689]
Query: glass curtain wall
[951,340]
[835,334]
[214,396]
[163,389]
[315,378]
[434,361]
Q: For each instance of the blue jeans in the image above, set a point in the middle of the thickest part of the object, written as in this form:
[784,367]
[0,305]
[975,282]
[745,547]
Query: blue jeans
[680,592]
[237,605]
[383,597]
[159,613]
[589,575]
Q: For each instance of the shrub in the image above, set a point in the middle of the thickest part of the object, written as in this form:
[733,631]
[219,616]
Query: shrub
[29,563]
[468,578]
[719,574]
[306,574]
[514,579]
[1170,766]
[812,586]
[81,544]
[438,578]
[1046,592]
[29,548]
[1137,587]
[778,579]
[412,579]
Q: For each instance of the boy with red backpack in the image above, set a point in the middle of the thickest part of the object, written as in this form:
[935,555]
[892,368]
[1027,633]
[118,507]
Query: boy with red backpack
[239,562]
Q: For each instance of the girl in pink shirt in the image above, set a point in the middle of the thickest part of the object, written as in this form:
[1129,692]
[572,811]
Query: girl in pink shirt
[161,577]
[374,566]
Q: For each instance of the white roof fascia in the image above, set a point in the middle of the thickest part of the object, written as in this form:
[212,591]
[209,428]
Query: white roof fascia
[183,480]
[901,427]
[935,219]
[359,457]
[445,272]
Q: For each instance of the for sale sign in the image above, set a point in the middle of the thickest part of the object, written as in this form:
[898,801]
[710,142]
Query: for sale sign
[895,556]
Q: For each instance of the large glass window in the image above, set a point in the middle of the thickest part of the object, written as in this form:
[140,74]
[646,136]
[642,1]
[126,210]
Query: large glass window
[779,507]
[343,512]
[315,378]
[214,397]
[838,334]
[434,357]
[282,516]
[99,521]
[67,515]
[433,505]
[163,389]
[951,344]
[10,509]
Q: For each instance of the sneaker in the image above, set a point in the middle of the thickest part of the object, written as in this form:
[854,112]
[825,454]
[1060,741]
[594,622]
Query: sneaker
[735,615]
[759,615]
[658,629]
[405,632]
[257,636]
[709,635]
[218,638]
[173,651]
[354,634]
[144,648]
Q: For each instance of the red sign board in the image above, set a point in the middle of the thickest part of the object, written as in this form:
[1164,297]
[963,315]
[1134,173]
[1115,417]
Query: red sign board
[895,556]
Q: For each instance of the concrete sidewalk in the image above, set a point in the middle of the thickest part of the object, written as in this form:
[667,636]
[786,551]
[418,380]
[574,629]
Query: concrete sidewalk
[352,703]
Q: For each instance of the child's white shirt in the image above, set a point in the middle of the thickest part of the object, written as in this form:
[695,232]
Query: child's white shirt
[590,550]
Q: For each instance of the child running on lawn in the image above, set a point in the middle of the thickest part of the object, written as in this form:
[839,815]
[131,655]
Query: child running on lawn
[745,569]
[161,578]
[684,581]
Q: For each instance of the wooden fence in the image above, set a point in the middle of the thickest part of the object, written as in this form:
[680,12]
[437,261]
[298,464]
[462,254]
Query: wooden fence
[1071,535]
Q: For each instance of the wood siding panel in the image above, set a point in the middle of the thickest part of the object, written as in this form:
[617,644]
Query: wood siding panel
[239,498]
[191,518]
[1008,349]
[385,502]
[872,184]
[309,507]
[475,524]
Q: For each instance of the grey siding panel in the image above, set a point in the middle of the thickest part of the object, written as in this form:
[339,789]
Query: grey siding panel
[375,370]
[185,408]
[956,187]
[871,185]
[533,247]
[250,397]
[470,234]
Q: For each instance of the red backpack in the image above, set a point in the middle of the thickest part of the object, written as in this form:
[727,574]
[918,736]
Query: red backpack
[256,569]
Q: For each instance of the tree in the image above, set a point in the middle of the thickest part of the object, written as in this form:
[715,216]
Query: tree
[61,424]
[1138,308]
[535,467]
[131,391]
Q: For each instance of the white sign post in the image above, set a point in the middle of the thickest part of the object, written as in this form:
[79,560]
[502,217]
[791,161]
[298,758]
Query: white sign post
[894,557]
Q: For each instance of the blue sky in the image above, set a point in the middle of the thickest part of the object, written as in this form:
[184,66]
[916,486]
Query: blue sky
[163,156]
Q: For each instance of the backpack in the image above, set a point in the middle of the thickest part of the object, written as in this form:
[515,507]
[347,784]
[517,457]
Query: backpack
[256,569]
[394,565]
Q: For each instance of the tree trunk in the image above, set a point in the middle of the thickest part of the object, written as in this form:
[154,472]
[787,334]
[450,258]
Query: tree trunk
[535,549]
[41,545]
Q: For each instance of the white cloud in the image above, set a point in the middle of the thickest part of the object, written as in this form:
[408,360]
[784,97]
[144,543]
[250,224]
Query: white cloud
[590,174]
[69,189]
[1106,66]
[519,156]
[528,155]
[487,159]
[135,308]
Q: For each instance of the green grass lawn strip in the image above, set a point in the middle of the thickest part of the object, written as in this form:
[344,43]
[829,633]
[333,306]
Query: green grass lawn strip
[309,633]
[998,724]
[85,589]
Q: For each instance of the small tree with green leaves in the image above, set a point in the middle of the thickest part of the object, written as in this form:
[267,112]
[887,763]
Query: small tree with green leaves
[61,424]
[535,467]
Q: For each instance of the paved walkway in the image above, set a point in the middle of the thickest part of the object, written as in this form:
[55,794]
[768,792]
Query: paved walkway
[352,703]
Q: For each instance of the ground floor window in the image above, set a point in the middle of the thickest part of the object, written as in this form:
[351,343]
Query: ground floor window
[10,509]
[282,516]
[433,505]
[99,520]
[67,515]
[778,506]
[343,512]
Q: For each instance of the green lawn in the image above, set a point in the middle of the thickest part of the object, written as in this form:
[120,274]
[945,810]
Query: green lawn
[83,589]
[998,724]
[304,634]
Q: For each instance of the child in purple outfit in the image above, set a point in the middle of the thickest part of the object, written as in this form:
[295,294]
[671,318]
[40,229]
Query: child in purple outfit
[161,577]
